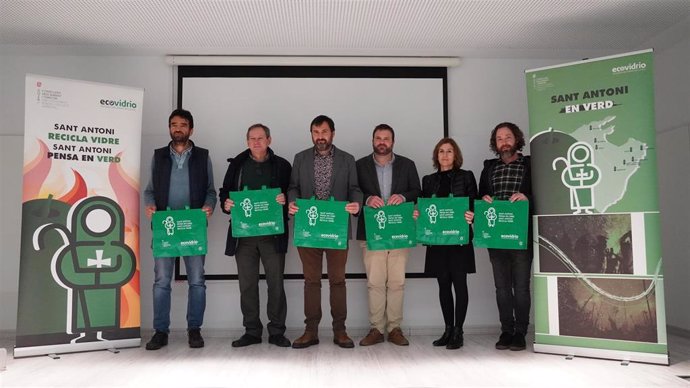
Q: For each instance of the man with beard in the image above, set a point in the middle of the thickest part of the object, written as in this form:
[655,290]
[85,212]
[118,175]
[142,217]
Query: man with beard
[508,177]
[324,171]
[181,175]
[386,179]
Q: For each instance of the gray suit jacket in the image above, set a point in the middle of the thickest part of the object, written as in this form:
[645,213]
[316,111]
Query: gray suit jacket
[344,184]
[405,182]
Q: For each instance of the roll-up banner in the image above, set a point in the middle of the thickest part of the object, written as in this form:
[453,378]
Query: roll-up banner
[79,257]
[598,280]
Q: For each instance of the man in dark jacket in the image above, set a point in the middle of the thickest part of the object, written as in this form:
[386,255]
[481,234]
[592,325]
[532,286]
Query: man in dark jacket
[181,175]
[256,167]
[508,177]
[385,179]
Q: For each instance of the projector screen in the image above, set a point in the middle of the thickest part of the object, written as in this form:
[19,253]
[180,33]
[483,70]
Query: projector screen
[225,101]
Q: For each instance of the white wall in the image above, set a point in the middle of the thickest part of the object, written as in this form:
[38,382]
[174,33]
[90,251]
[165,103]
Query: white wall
[672,84]
[482,92]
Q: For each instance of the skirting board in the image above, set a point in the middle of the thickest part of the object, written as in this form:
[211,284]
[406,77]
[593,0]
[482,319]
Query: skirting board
[679,331]
[236,332]
[325,330]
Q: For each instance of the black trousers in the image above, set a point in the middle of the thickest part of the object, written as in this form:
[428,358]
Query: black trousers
[512,275]
[251,251]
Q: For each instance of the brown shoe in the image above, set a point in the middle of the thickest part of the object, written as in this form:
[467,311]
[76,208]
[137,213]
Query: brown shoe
[396,336]
[306,340]
[374,337]
[341,339]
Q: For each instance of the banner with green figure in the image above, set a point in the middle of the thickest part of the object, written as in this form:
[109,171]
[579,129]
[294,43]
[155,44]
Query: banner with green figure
[598,280]
[79,266]
[390,227]
[501,224]
[321,224]
[442,221]
[256,213]
[179,233]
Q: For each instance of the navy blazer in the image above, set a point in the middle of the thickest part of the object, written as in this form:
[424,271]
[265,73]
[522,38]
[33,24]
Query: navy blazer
[405,182]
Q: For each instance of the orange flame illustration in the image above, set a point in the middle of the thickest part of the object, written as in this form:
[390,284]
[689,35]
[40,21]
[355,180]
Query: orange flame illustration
[127,194]
[35,173]
[77,192]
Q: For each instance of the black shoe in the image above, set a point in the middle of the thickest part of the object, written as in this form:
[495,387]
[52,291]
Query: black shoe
[504,341]
[518,342]
[456,339]
[195,339]
[279,340]
[245,340]
[445,338]
[159,340]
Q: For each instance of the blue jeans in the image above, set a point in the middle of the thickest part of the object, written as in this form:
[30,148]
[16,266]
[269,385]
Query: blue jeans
[512,274]
[196,294]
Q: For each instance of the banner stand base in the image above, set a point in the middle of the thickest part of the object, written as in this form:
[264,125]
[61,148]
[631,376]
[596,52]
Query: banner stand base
[53,350]
[625,357]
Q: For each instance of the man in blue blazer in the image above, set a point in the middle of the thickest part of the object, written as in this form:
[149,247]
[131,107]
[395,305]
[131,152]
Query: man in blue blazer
[324,171]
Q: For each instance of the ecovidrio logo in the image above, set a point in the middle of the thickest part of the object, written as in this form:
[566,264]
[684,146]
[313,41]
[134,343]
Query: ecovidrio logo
[629,68]
[118,104]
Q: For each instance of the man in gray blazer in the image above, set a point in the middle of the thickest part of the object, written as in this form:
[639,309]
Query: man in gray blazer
[385,179]
[324,171]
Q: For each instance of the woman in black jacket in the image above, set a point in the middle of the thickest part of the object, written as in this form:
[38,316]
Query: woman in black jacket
[450,263]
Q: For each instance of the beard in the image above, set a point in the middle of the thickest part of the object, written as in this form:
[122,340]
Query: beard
[382,150]
[322,145]
[179,137]
[507,151]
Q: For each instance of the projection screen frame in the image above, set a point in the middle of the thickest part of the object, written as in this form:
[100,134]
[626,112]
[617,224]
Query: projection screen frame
[204,71]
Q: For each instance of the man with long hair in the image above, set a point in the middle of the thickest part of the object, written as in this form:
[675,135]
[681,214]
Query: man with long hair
[508,177]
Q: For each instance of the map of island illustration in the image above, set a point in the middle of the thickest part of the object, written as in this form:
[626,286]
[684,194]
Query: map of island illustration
[579,162]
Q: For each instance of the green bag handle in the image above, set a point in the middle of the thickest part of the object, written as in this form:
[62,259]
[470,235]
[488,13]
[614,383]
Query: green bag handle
[331,198]
[246,188]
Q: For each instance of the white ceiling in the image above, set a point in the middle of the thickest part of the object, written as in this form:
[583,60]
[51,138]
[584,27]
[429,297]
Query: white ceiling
[507,28]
